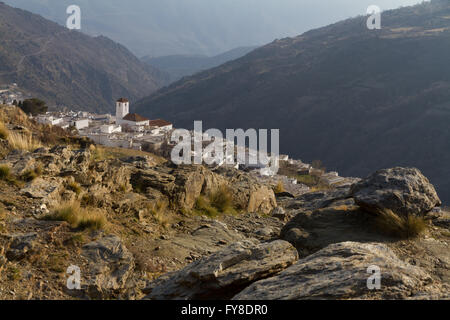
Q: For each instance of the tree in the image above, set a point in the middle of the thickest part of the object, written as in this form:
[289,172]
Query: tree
[34,106]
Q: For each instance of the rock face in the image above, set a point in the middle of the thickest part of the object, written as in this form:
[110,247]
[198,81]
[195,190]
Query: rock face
[405,191]
[340,271]
[311,231]
[224,273]
[110,265]
[21,245]
[184,184]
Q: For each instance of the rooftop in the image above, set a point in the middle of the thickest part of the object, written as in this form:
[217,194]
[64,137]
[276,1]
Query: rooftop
[123,100]
[135,117]
[159,123]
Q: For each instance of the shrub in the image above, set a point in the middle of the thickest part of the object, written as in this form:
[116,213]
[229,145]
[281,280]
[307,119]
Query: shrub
[220,201]
[158,210]
[75,187]
[400,226]
[3,131]
[31,174]
[22,141]
[204,207]
[279,188]
[78,217]
[5,172]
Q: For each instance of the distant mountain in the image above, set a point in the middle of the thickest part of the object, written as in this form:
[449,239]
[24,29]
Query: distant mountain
[357,99]
[69,68]
[179,66]
[205,27]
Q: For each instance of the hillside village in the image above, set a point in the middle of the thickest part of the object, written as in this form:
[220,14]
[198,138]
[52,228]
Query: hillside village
[133,131]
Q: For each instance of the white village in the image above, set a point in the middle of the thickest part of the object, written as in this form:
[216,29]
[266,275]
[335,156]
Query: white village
[133,131]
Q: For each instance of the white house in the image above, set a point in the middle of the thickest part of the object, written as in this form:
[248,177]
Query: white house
[162,125]
[110,128]
[45,119]
[81,124]
[134,120]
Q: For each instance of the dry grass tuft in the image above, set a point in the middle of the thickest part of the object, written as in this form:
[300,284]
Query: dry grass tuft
[279,188]
[158,210]
[75,187]
[77,217]
[21,141]
[220,201]
[399,226]
[4,132]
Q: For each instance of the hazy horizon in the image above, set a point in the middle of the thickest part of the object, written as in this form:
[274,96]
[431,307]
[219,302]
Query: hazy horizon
[172,27]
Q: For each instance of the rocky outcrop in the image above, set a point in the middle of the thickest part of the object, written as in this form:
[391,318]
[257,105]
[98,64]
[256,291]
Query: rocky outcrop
[110,265]
[21,245]
[311,231]
[405,191]
[184,184]
[48,190]
[226,272]
[342,271]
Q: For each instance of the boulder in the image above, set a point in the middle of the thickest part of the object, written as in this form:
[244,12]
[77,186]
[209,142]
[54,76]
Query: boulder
[342,271]
[225,273]
[405,191]
[48,190]
[110,265]
[311,231]
[21,245]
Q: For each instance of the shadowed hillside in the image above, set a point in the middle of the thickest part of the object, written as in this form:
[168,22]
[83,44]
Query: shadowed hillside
[67,67]
[355,98]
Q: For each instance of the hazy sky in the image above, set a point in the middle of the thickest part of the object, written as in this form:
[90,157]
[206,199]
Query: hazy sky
[162,27]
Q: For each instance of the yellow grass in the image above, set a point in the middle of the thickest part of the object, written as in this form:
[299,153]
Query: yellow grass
[20,141]
[279,188]
[78,217]
[400,226]
[3,131]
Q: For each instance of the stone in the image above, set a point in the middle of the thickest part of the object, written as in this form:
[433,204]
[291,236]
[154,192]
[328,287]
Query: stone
[310,231]
[224,273]
[341,271]
[279,213]
[21,245]
[110,265]
[405,191]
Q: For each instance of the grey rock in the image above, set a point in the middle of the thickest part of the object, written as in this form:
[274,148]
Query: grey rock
[110,265]
[340,271]
[405,191]
[224,273]
[21,245]
[279,213]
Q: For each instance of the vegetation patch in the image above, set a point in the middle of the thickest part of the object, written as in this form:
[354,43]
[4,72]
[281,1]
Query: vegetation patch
[78,217]
[279,188]
[23,141]
[31,174]
[3,131]
[158,210]
[5,173]
[75,187]
[400,226]
[218,202]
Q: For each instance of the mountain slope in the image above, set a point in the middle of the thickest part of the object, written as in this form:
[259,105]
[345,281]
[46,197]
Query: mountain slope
[191,27]
[357,99]
[179,66]
[67,67]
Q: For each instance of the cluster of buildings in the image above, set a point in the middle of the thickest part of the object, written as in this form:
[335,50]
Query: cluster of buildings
[123,130]
[133,131]
[10,94]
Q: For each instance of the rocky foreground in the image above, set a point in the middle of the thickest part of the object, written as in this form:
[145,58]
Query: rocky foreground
[144,233]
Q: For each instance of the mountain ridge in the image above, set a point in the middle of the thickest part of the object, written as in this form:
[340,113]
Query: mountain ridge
[358,99]
[68,68]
